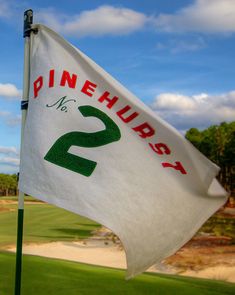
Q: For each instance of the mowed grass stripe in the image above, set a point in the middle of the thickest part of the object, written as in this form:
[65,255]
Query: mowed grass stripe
[44,223]
[42,276]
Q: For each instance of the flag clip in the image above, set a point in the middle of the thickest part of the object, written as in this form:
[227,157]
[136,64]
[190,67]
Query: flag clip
[24,104]
[28,20]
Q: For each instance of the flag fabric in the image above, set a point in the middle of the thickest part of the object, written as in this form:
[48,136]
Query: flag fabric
[92,147]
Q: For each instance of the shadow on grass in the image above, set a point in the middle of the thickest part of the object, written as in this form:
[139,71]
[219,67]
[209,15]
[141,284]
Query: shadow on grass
[78,233]
[93,225]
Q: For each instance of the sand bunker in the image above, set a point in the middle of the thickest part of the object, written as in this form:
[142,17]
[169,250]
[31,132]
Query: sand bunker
[103,253]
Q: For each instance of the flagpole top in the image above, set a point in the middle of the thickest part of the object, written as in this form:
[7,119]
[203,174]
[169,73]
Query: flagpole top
[28,20]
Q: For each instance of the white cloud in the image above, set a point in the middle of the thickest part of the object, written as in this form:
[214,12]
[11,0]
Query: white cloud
[4,113]
[179,46]
[9,90]
[199,111]
[4,9]
[10,161]
[9,150]
[104,20]
[10,119]
[13,120]
[172,101]
[209,16]
[206,16]
[51,18]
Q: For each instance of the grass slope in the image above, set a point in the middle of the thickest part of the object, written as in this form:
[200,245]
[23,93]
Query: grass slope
[42,276]
[43,223]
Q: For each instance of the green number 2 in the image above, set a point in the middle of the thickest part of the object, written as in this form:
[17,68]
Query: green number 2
[59,155]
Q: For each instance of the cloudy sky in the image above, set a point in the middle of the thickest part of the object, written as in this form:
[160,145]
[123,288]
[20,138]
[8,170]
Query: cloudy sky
[177,56]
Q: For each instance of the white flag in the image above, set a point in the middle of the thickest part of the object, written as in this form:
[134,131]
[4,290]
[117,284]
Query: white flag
[92,147]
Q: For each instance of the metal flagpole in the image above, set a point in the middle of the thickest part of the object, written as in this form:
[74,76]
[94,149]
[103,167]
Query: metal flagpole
[28,20]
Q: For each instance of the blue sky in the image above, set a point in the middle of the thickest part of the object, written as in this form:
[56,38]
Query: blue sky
[177,56]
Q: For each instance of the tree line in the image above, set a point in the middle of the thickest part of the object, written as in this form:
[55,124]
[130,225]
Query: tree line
[218,144]
[8,184]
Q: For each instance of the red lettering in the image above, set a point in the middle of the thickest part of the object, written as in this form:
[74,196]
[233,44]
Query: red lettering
[130,117]
[37,85]
[66,78]
[160,148]
[111,101]
[178,166]
[144,130]
[51,78]
[88,88]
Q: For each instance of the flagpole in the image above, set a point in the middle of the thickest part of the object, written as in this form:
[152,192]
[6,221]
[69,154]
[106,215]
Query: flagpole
[28,20]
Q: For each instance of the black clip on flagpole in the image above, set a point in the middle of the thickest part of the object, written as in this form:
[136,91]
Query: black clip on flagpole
[28,20]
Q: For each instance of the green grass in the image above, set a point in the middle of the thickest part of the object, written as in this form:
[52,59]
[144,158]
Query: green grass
[43,223]
[42,276]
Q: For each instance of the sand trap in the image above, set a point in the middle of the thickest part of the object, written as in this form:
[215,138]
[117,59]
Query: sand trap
[103,253]
[92,252]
